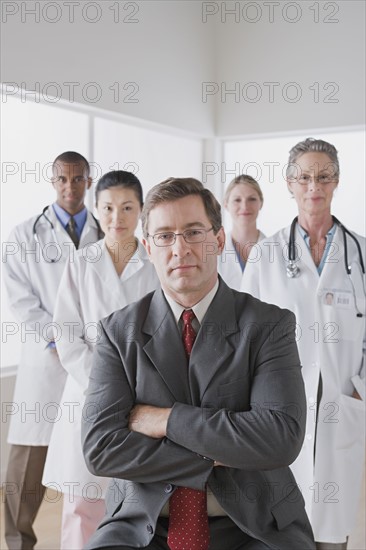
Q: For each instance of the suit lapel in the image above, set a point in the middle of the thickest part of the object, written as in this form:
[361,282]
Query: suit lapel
[165,347]
[212,347]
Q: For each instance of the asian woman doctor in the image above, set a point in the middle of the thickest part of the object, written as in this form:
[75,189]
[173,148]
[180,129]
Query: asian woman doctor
[103,278]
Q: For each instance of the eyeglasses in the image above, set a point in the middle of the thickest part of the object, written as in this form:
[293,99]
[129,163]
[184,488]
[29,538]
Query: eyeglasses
[191,236]
[322,179]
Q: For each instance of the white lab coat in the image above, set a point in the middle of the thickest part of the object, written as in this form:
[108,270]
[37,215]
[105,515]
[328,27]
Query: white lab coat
[90,289]
[331,342]
[228,264]
[32,284]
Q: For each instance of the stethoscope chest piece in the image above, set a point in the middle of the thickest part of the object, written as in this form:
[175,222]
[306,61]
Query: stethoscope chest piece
[292,270]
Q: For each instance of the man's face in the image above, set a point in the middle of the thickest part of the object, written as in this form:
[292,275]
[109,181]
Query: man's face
[71,183]
[187,271]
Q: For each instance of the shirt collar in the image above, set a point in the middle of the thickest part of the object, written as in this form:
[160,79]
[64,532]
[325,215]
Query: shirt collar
[64,217]
[198,309]
[305,235]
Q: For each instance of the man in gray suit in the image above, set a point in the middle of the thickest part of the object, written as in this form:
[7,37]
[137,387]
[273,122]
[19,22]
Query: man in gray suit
[196,404]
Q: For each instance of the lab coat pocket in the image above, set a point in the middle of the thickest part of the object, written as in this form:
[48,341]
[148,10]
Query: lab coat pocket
[351,426]
[341,324]
[348,465]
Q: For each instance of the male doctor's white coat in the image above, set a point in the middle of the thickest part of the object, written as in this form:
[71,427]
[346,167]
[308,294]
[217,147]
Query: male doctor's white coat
[330,315]
[32,284]
[89,290]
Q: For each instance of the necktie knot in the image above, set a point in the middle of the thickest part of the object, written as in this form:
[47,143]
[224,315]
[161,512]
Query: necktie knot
[188,317]
[189,334]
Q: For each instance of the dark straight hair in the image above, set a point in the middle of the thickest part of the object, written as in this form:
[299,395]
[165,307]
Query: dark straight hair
[120,178]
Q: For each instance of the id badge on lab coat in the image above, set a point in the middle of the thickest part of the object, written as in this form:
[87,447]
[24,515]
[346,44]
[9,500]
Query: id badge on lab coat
[338,307]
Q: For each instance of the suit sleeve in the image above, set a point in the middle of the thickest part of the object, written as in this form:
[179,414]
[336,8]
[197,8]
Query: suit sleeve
[267,436]
[111,449]
[23,298]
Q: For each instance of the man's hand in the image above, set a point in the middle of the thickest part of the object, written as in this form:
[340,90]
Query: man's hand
[148,420]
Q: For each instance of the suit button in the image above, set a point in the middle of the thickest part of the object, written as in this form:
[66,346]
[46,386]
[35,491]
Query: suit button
[207,458]
[149,528]
[168,488]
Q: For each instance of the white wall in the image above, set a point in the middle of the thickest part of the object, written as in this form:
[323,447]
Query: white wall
[330,53]
[161,47]
[168,51]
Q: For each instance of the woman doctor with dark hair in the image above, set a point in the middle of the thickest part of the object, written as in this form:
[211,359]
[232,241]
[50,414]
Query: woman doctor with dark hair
[102,278]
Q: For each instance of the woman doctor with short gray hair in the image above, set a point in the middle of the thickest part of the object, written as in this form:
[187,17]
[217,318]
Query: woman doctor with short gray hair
[315,267]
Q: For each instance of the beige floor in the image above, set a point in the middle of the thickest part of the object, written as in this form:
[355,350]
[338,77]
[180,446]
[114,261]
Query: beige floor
[48,523]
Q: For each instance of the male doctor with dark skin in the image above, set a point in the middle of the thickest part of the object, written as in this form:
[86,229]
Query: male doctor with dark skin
[196,403]
[39,249]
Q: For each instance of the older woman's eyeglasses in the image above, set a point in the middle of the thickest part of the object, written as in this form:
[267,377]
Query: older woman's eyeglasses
[191,236]
[322,179]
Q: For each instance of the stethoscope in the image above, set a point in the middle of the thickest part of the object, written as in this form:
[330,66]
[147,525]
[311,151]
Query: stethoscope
[53,233]
[293,270]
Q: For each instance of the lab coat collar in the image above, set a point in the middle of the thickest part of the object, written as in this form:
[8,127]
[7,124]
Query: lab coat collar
[98,256]
[334,255]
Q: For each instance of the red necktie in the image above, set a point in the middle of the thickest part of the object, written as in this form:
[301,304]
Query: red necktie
[188,520]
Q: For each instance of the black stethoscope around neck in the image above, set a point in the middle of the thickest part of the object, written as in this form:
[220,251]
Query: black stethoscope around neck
[293,270]
[53,232]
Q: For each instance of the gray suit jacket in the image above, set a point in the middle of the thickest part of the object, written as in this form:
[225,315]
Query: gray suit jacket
[240,402]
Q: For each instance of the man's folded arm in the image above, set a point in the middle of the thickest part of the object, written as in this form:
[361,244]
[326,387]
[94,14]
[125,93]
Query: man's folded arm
[111,449]
[267,436]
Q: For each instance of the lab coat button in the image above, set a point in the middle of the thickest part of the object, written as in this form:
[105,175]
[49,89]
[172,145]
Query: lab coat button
[168,488]
[150,529]
[309,436]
